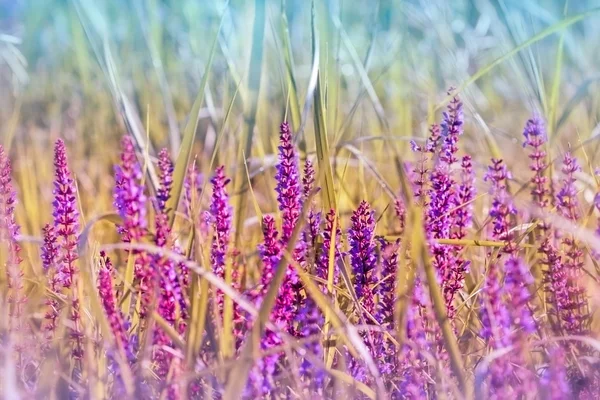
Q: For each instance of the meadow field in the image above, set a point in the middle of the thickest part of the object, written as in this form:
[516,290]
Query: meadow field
[290,199]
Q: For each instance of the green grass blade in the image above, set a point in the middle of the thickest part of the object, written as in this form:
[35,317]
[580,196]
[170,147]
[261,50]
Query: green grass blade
[323,158]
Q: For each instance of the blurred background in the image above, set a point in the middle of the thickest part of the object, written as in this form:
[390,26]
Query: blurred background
[89,71]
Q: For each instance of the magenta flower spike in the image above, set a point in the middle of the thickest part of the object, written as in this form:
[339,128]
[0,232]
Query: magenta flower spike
[554,383]
[463,200]
[576,315]
[502,207]
[66,215]
[165,168]
[130,200]
[9,232]
[362,253]
[322,265]
[269,250]
[49,254]
[288,188]
[66,222]
[535,137]
[114,316]
[452,129]
[221,215]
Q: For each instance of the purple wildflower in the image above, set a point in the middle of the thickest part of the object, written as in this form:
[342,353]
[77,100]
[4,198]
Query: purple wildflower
[130,202]
[322,265]
[308,179]
[362,253]
[192,188]
[502,207]
[507,321]
[385,291]
[65,214]
[452,129]
[413,366]
[66,218]
[554,384]
[49,259]
[400,210]
[171,304]
[165,167]
[9,232]
[535,137]
[576,318]
[221,216]
[114,316]
[310,321]
[464,197]
[269,250]
[288,183]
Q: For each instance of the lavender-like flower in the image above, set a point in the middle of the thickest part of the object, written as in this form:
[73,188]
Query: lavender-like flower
[310,321]
[322,264]
[288,183]
[535,137]
[413,365]
[566,198]
[384,311]
[575,320]
[9,232]
[452,129]
[165,167]
[554,384]
[362,253]
[171,304]
[114,316]
[556,285]
[130,202]
[384,351]
[66,218]
[192,188]
[502,207]
[464,198]
[400,210]
[221,215]
[507,321]
[49,255]
[66,215]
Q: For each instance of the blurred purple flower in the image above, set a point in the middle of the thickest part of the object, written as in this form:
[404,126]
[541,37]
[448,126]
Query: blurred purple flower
[575,319]
[49,255]
[9,233]
[502,207]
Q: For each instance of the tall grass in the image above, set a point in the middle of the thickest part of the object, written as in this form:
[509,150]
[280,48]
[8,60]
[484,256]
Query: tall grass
[281,200]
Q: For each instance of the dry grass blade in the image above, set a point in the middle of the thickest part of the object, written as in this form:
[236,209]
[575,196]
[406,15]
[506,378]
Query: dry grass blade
[189,135]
